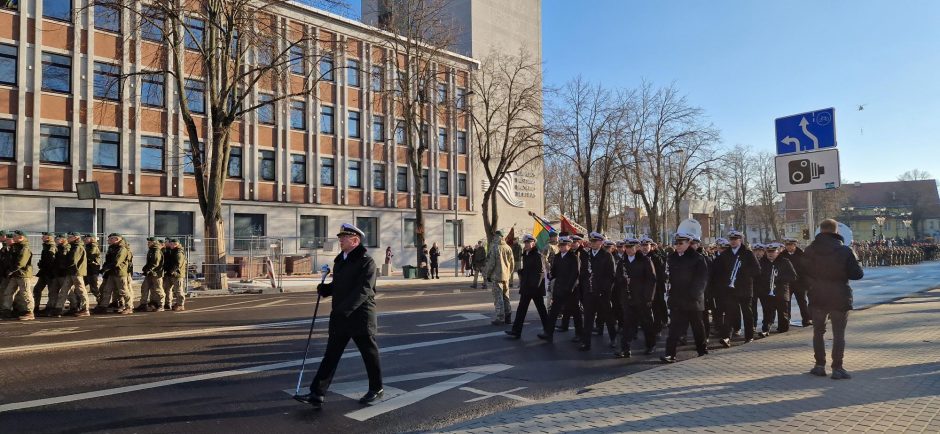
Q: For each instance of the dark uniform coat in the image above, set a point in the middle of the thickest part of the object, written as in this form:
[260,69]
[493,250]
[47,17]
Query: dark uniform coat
[688,275]
[154,265]
[744,280]
[564,272]
[531,280]
[353,292]
[642,276]
[785,275]
[829,266]
[47,260]
[603,270]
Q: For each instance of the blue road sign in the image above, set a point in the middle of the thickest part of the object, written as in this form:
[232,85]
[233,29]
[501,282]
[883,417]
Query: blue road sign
[806,132]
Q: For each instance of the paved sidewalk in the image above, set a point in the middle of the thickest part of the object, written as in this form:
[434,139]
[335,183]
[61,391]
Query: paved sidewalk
[892,351]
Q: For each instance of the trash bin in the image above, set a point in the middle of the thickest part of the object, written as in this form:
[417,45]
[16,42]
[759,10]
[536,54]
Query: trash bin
[408,271]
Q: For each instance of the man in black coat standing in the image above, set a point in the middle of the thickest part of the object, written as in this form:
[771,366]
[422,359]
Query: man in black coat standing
[798,289]
[352,316]
[736,269]
[773,288]
[829,266]
[597,293]
[637,283]
[563,273]
[688,275]
[531,288]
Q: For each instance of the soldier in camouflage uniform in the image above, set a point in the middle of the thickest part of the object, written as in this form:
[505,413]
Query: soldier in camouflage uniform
[18,273]
[174,271]
[46,273]
[152,296]
[59,265]
[73,279]
[115,277]
[93,257]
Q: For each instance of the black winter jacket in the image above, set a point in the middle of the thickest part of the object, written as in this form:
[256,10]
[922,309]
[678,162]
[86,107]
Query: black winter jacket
[688,275]
[531,280]
[830,264]
[353,292]
[564,272]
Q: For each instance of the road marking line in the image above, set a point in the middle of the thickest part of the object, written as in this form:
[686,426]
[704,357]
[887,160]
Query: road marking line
[272,303]
[456,291]
[466,317]
[223,374]
[488,395]
[419,293]
[304,303]
[210,308]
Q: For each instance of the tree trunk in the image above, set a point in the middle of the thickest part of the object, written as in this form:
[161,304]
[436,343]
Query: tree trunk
[214,263]
[586,200]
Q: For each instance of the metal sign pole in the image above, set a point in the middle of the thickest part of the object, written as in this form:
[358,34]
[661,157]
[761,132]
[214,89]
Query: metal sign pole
[810,218]
[94,217]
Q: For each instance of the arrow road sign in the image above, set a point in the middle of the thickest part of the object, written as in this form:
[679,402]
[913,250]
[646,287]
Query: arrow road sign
[808,171]
[806,132]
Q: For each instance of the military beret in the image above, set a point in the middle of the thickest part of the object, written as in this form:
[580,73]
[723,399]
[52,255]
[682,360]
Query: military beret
[115,234]
[19,232]
[74,234]
[3,233]
[152,239]
[89,235]
[172,240]
[564,240]
[61,235]
[596,236]
[732,234]
[47,234]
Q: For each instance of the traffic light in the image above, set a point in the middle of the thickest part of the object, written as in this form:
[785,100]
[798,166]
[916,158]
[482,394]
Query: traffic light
[805,234]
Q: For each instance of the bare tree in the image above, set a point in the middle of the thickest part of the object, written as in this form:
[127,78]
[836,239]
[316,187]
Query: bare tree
[213,54]
[765,176]
[696,161]
[739,178]
[562,192]
[506,116]
[915,175]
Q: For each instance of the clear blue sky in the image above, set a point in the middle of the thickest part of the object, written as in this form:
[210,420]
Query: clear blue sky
[748,62]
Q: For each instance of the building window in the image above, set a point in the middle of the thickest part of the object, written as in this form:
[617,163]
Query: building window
[355,174]
[107,18]
[425,181]
[195,96]
[189,165]
[312,231]
[266,110]
[194,30]
[56,73]
[235,162]
[297,60]
[442,93]
[370,226]
[399,80]
[352,72]
[327,172]
[453,233]
[378,176]
[7,64]
[378,128]
[10,5]
[57,9]
[107,149]
[400,133]
[151,24]
[423,137]
[107,83]
[7,139]
[326,68]
[298,169]
[173,223]
[266,164]
[443,182]
[326,119]
[151,153]
[442,139]
[246,228]
[462,184]
[54,144]
[411,226]
[377,78]
[298,115]
[401,179]
[461,142]
[354,126]
[77,219]
[460,98]
[151,90]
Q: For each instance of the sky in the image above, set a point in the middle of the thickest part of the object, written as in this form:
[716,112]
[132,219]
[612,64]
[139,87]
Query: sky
[748,62]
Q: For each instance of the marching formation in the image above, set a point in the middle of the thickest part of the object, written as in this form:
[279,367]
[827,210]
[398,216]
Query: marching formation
[884,254]
[633,285]
[68,271]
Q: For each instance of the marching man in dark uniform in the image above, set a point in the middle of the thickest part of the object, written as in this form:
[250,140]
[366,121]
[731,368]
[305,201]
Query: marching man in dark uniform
[597,293]
[531,288]
[352,317]
[735,270]
[688,275]
[773,288]
[563,273]
[573,309]
[637,279]
[799,287]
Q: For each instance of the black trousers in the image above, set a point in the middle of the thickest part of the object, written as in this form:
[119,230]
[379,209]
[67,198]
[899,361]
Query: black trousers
[335,345]
[572,311]
[736,307]
[42,283]
[781,304]
[636,316]
[523,308]
[435,270]
[616,307]
[597,304]
[800,294]
[768,310]
[660,311]
[680,322]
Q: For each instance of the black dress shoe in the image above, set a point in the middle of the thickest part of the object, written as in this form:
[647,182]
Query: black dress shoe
[668,359]
[371,396]
[584,347]
[546,337]
[310,398]
[513,335]
[649,350]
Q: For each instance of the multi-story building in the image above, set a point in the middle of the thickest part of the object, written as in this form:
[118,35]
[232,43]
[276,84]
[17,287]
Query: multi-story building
[297,170]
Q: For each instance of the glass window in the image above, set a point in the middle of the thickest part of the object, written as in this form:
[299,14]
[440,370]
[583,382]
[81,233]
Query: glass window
[401,179]
[326,119]
[399,83]
[107,18]
[461,142]
[151,24]
[354,126]
[151,153]
[10,5]
[266,164]
[247,227]
[327,172]
[195,96]
[312,231]
[7,64]
[7,139]
[355,174]
[194,30]
[298,169]
[400,133]
[442,139]
[189,166]
[425,181]
[326,68]
[107,81]
[77,219]
[352,72]
[151,90]
[266,111]
[54,144]
[411,228]
[370,226]
[378,176]
[462,184]
[56,72]
[443,182]
[57,9]
[378,128]
[297,60]
[107,149]
[441,93]
[298,115]
[377,78]
[235,162]
[460,98]
[173,223]
[453,230]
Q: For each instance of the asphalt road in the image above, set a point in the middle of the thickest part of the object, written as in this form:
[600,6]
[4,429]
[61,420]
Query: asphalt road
[230,363]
